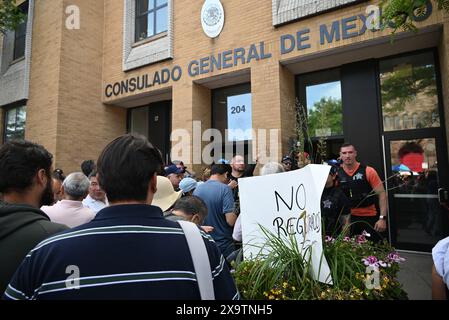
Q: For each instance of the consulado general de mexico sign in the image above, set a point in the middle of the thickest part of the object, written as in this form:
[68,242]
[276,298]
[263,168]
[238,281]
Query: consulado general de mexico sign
[338,30]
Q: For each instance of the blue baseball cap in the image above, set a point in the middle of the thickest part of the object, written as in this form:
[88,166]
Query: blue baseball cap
[223,161]
[172,169]
[187,184]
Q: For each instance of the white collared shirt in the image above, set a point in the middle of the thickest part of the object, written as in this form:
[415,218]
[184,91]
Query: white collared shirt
[94,205]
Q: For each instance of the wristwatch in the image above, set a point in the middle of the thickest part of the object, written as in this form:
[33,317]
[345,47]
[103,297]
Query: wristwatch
[383,217]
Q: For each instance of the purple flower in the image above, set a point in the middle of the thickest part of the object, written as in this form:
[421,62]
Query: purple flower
[329,239]
[370,261]
[395,257]
[374,262]
[361,239]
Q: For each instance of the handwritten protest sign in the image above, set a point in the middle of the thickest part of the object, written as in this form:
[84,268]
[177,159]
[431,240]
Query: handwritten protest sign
[278,202]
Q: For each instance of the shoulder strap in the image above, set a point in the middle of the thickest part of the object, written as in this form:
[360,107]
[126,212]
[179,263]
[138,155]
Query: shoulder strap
[362,168]
[200,259]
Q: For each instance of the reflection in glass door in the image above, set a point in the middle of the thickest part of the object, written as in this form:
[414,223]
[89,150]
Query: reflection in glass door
[321,99]
[409,92]
[417,218]
[415,149]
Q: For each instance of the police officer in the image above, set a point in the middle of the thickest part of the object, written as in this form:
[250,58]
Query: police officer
[335,206]
[363,187]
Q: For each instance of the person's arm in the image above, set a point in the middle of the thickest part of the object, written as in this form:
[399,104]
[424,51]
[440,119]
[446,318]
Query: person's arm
[377,185]
[249,170]
[257,169]
[229,207]
[207,229]
[382,200]
[438,286]
[237,233]
[259,165]
[233,184]
[381,224]
[231,218]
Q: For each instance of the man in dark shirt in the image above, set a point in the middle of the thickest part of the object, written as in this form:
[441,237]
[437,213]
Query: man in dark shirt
[26,184]
[239,170]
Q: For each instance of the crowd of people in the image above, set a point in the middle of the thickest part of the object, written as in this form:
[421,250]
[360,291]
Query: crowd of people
[116,221]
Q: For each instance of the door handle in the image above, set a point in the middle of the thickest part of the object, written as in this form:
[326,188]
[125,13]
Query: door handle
[443,196]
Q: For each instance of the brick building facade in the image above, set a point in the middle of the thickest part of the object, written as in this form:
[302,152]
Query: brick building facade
[118,72]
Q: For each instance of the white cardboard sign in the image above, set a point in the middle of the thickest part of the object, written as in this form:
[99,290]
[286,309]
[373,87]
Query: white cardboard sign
[277,202]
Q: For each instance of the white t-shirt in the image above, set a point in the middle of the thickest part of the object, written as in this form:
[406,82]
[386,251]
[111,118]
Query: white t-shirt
[237,233]
[440,254]
[94,205]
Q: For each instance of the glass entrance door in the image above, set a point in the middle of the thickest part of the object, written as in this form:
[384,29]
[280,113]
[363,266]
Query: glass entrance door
[417,184]
[321,103]
[416,164]
[154,122]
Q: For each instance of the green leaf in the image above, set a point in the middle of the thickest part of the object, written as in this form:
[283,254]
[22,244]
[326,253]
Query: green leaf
[10,16]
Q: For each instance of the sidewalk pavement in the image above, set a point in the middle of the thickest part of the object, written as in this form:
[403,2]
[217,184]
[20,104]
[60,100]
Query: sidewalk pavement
[416,275]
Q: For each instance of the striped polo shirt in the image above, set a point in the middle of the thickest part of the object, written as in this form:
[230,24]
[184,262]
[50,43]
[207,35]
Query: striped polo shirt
[126,252]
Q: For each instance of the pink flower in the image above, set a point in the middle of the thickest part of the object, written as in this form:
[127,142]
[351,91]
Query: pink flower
[329,239]
[361,239]
[374,262]
[395,257]
[370,261]
[346,239]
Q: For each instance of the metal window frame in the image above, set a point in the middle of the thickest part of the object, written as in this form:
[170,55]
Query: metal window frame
[24,7]
[140,15]
[5,111]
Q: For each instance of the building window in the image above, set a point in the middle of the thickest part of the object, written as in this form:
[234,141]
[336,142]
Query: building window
[324,109]
[15,119]
[320,95]
[151,18]
[148,32]
[407,122]
[321,111]
[388,123]
[232,112]
[292,10]
[415,120]
[409,87]
[232,116]
[20,34]
[397,123]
